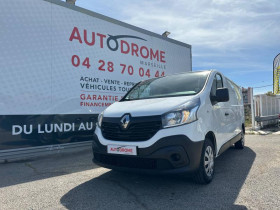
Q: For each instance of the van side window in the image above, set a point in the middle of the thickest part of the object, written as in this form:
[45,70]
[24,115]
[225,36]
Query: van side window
[217,83]
[237,92]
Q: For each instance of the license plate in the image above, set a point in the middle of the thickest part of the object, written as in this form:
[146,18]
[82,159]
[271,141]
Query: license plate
[122,150]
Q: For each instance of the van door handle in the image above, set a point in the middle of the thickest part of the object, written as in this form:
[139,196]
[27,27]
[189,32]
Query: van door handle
[226,114]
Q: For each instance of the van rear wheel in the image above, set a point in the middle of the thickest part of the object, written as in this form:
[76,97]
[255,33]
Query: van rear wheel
[205,173]
[241,143]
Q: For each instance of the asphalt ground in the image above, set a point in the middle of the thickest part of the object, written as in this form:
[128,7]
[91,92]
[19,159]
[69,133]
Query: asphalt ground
[244,179]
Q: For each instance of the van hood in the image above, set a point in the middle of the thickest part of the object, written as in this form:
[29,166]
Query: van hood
[145,107]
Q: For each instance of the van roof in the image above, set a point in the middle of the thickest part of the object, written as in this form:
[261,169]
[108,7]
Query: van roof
[189,72]
[200,71]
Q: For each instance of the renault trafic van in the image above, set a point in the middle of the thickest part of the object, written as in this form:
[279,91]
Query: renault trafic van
[173,124]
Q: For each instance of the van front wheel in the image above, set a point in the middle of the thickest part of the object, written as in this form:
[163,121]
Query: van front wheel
[205,173]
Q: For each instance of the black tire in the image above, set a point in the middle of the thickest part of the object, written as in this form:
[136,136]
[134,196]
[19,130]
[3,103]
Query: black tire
[202,176]
[241,143]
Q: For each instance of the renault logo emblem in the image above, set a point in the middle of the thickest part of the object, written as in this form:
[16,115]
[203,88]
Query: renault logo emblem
[125,121]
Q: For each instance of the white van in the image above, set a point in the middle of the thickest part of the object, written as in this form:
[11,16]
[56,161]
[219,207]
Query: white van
[173,124]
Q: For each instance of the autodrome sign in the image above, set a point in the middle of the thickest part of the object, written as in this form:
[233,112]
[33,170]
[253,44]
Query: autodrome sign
[61,65]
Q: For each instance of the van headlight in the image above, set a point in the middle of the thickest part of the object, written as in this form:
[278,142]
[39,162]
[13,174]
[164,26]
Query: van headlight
[100,118]
[186,113]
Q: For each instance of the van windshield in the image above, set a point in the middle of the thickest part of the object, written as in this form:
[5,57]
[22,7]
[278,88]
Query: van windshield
[185,84]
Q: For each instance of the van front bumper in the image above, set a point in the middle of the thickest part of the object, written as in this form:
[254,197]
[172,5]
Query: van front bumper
[172,154]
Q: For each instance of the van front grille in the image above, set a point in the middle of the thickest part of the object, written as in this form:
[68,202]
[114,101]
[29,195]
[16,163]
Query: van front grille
[139,129]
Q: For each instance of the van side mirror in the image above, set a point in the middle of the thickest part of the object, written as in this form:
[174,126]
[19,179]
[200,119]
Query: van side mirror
[222,95]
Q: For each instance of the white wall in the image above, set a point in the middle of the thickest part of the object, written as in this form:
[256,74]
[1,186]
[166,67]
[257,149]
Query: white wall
[266,106]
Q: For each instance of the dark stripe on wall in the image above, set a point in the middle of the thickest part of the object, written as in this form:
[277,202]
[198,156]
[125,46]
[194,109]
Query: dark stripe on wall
[23,131]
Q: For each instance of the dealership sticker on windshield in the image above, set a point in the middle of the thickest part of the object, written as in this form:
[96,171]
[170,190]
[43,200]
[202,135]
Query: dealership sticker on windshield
[122,150]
